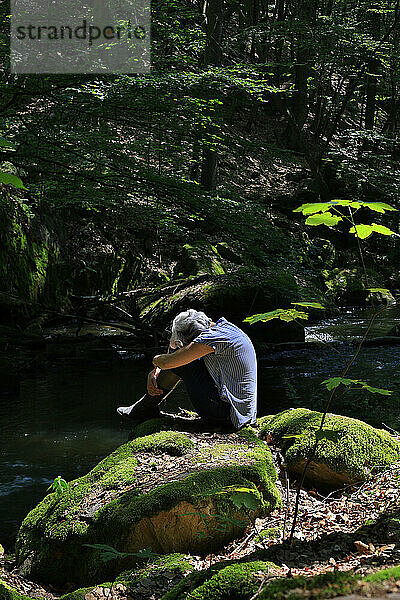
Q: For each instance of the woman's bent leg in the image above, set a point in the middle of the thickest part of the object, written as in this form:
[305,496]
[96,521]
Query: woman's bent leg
[203,392]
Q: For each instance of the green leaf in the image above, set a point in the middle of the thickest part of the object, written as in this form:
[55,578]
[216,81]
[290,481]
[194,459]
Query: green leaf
[382,229]
[8,179]
[107,553]
[313,207]
[309,304]
[327,434]
[326,218]
[144,553]
[378,290]
[289,314]
[334,382]
[6,143]
[362,231]
[375,390]
[294,435]
[380,207]
[59,486]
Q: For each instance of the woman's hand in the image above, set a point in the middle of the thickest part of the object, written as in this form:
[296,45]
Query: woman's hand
[152,387]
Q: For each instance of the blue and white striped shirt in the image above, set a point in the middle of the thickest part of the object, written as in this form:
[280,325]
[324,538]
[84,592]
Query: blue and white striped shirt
[233,367]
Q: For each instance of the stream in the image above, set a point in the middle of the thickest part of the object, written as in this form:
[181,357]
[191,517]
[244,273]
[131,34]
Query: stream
[63,421]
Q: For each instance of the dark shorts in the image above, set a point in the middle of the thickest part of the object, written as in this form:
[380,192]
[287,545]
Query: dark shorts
[203,392]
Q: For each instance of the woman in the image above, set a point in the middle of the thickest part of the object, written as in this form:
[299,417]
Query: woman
[217,363]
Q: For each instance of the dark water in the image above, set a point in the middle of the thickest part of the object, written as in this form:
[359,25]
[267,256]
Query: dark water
[64,421]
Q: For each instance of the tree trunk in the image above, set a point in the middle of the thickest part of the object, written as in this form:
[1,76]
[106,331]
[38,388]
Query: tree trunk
[212,56]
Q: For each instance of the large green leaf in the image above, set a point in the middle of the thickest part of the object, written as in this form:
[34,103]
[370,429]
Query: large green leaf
[380,207]
[361,231]
[364,231]
[325,218]
[334,382]
[313,207]
[289,314]
[382,229]
[8,179]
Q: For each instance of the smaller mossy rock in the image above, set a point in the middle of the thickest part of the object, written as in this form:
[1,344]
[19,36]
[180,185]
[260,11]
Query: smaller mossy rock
[161,574]
[223,581]
[336,463]
[330,585]
[9,593]
[168,491]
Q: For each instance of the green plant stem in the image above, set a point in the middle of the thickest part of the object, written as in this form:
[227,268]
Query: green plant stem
[327,406]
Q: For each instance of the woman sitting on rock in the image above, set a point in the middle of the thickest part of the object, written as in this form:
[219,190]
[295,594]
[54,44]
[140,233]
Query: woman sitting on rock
[217,363]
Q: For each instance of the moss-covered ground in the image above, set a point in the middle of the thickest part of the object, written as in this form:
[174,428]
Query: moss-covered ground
[8,593]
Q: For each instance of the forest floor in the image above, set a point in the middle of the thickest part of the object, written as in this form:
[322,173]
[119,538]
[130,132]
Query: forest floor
[326,538]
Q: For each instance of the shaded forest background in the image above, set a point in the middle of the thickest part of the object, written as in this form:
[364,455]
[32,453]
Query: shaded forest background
[178,186]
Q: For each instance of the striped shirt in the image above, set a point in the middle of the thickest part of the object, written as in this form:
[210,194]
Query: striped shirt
[233,367]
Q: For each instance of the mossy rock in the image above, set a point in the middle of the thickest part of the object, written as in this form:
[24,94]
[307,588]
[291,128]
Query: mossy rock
[349,460]
[223,581]
[9,593]
[330,585]
[234,296]
[139,497]
[242,580]
[163,573]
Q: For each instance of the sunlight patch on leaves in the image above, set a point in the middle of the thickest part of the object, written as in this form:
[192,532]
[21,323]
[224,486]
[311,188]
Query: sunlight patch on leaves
[309,305]
[289,314]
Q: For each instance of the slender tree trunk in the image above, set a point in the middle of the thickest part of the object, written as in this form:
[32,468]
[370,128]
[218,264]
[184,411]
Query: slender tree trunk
[371,89]
[212,56]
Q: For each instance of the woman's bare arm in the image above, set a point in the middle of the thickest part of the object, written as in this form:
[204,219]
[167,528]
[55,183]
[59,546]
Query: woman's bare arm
[183,356]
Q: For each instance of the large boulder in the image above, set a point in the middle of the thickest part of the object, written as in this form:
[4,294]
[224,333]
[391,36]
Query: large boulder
[235,296]
[348,460]
[170,491]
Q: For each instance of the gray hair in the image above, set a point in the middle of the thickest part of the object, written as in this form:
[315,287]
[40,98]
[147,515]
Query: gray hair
[188,325]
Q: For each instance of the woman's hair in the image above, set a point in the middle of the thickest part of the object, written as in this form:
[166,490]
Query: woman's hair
[188,325]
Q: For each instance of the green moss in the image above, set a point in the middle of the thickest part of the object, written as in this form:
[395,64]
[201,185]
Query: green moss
[328,585]
[176,563]
[8,593]
[152,426]
[393,572]
[169,442]
[266,534]
[81,592]
[54,533]
[222,582]
[359,446]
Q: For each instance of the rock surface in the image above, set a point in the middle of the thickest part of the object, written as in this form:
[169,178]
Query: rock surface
[169,491]
[360,447]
